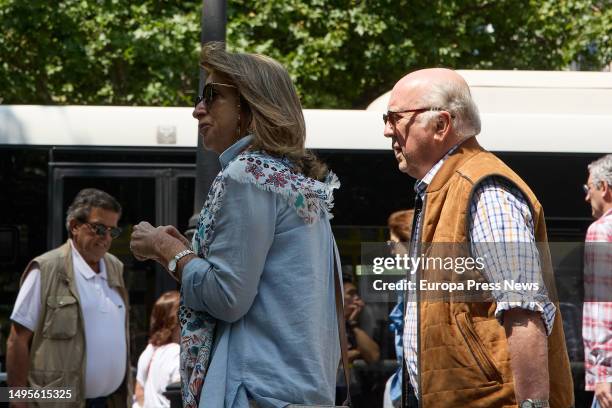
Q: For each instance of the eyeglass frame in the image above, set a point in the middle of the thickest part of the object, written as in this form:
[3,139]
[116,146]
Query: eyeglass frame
[96,228]
[209,101]
[587,187]
[387,116]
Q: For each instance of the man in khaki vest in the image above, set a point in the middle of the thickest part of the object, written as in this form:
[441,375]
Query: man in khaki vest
[70,320]
[503,352]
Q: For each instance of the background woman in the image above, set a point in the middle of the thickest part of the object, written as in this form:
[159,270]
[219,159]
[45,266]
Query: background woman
[400,227]
[158,364]
[264,246]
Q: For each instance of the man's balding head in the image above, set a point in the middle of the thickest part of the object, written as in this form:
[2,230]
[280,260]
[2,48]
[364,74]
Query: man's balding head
[450,116]
[444,89]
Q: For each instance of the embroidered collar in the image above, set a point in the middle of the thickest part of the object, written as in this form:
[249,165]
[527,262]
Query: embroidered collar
[309,197]
[234,150]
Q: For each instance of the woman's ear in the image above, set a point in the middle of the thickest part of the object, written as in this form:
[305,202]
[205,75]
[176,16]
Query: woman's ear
[247,115]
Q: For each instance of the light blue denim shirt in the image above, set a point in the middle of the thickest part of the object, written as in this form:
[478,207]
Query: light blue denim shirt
[268,280]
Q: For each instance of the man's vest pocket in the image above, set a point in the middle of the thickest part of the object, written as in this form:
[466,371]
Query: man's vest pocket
[61,318]
[478,350]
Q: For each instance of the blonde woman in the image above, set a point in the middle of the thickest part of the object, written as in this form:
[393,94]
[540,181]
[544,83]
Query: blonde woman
[262,272]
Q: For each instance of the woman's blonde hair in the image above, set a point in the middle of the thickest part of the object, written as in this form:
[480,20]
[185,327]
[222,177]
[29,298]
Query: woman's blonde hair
[277,121]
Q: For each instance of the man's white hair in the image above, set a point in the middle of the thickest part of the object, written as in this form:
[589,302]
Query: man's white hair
[601,170]
[457,100]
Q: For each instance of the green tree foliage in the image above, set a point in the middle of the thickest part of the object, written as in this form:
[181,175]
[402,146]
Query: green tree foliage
[117,52]
[344,53]
[340,53]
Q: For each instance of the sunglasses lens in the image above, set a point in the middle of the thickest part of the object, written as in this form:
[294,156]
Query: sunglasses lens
[208,94]
[99,229]
[385,117]
[115,232]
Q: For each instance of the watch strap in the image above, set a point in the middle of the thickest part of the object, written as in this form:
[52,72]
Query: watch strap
[183,254]
[534,403]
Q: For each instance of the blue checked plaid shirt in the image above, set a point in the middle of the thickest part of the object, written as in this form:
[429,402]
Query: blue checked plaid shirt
[499,213]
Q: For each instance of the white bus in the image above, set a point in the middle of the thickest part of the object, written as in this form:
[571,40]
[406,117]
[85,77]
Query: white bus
[546,125]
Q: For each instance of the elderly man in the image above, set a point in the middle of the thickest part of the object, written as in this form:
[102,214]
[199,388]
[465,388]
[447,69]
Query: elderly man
[70,320]
[597,316]
[459,353]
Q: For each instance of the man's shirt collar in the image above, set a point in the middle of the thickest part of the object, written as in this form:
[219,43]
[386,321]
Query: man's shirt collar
[421,185]
[234,150]
[82,267]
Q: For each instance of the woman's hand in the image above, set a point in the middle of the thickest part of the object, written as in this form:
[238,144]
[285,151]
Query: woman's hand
[170,230]
[157,243]
[146,240]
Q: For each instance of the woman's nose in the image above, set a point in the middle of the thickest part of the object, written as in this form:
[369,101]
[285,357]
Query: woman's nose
[199,110]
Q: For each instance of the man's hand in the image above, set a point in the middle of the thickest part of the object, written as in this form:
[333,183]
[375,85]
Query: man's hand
[18,359]
[603,393]
[354,309]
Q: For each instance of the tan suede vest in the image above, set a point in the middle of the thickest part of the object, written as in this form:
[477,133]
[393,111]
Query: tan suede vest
[57,352]
[464,360]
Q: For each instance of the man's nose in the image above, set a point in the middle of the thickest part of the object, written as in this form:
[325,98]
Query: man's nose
[389,130]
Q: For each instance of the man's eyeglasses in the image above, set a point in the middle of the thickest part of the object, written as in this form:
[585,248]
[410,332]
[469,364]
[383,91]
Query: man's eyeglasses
[391,116]
[209,93]
[101,229]
[587,187]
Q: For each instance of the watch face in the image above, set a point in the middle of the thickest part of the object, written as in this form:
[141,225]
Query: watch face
[172,265]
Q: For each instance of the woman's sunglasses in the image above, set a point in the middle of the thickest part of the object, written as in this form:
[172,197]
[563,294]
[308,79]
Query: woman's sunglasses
[209,93]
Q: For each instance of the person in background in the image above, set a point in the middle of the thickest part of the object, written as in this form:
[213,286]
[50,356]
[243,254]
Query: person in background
[71,313]
[597,309]
[158,364]
[360,344]
[400,227]
[260,268]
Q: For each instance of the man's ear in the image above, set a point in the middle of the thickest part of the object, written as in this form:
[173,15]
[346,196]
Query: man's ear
[607,189]
[442,126]
[72,225]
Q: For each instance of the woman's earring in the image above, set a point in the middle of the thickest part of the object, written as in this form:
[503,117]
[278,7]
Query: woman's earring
[239,133]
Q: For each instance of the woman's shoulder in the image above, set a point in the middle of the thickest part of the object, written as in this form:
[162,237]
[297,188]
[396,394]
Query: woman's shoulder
[148,351]
[307,196]
[169,350]
[145,358]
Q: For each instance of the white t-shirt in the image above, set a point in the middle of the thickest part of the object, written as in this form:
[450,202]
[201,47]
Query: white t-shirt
[104,315]
[158,367]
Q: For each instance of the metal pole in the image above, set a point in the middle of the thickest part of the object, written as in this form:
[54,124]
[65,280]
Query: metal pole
[214,17]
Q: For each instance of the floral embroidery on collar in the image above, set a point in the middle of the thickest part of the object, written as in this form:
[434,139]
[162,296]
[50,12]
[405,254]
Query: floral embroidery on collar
[310,198]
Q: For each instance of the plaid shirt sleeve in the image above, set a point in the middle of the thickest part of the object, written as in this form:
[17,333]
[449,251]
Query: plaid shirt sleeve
[500,220]
[597,309]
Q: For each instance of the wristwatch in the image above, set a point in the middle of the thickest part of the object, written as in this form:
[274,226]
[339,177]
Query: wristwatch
[534,403]
[174,261]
